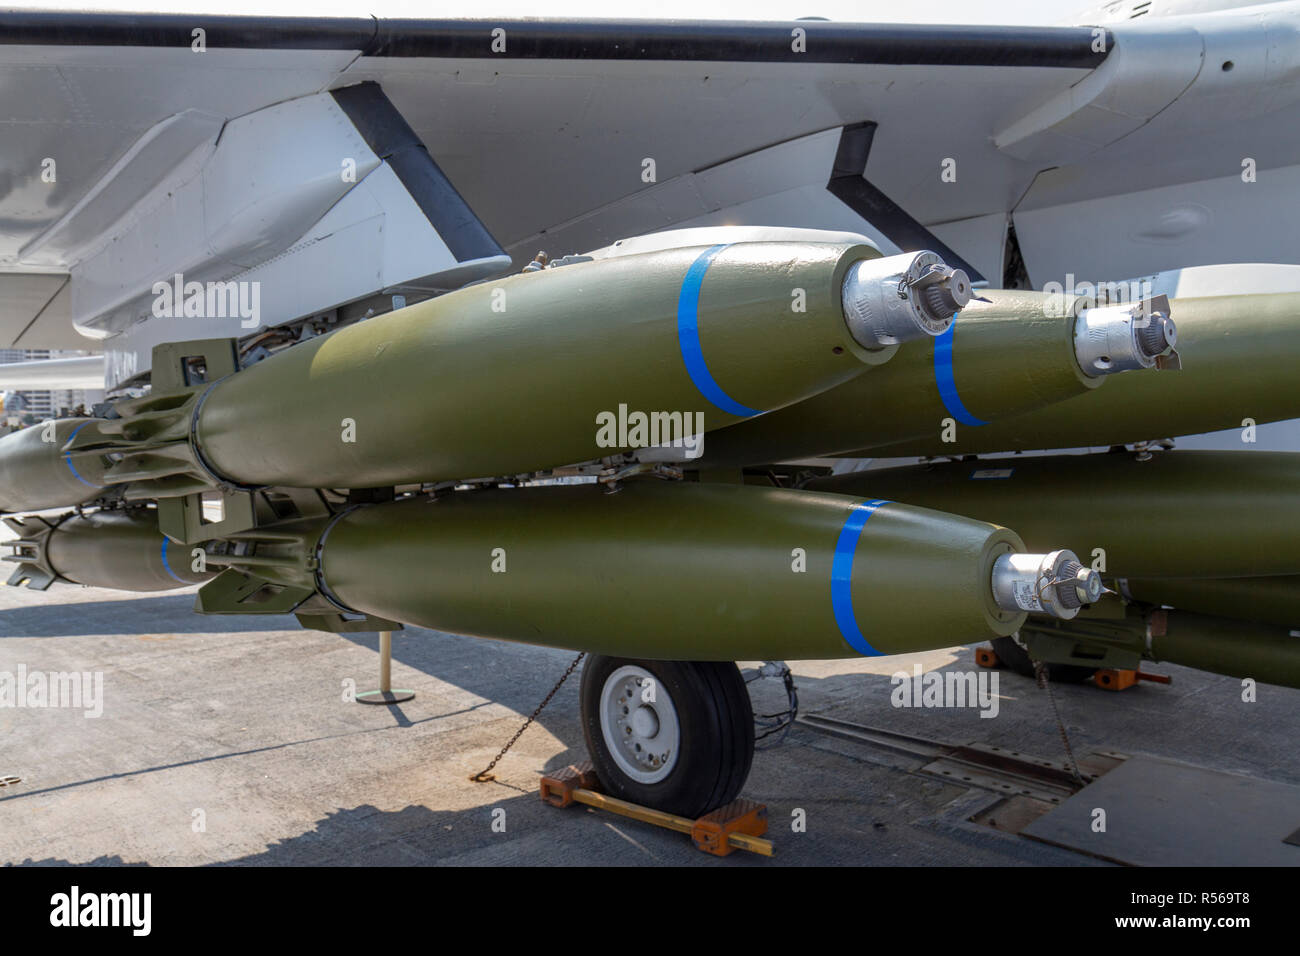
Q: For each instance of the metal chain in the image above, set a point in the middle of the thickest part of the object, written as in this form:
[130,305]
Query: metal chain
[485,775]
[1040,675]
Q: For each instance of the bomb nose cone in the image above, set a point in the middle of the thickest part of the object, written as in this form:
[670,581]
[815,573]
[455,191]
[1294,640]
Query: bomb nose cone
[1076,585]
[1120,338]
[1159,334]
[901,298]
[949,293]
[1087,585]
[1056,584]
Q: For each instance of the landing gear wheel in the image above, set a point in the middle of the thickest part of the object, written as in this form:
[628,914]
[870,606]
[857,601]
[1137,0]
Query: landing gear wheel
[1017,658]
[677,736]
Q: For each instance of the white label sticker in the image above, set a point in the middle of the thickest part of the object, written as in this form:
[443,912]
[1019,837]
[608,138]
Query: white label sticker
[1026,596]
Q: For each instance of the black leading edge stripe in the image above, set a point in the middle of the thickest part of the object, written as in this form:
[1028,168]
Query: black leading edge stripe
[48,28]
[742,41]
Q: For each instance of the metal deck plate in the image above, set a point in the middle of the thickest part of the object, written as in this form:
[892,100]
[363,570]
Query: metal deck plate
[1161,813]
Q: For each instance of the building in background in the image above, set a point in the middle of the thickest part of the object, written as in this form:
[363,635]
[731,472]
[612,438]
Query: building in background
[38,405]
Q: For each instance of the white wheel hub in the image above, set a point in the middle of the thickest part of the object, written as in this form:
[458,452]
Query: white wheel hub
[639,724]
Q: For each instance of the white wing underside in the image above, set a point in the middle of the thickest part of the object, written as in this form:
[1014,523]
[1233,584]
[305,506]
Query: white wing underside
[226,164]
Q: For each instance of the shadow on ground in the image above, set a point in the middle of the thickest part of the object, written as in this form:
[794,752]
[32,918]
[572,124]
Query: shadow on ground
[173,614]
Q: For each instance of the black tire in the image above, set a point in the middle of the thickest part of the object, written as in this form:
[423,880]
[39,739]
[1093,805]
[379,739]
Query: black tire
[1017,658]
[716,739]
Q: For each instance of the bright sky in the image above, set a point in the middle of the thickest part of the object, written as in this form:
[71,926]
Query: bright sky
[1035,12]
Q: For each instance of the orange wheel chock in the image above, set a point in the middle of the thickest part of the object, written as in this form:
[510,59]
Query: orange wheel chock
[712,832]
[1110,679]
[739,825]
[558,788]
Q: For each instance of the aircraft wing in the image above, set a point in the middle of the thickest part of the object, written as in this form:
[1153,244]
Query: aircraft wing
[331,160]
[81,372]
